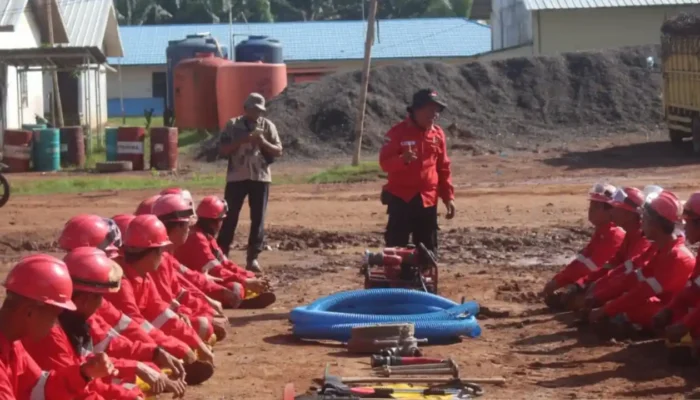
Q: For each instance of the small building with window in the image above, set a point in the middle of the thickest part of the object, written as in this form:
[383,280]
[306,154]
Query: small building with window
[311,49]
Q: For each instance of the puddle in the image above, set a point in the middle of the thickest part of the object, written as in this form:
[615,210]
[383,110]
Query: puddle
[542,261]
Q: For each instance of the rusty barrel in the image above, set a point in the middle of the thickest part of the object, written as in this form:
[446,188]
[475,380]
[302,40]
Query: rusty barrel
[72,146]
[164,148]
[17,149]
[130,146]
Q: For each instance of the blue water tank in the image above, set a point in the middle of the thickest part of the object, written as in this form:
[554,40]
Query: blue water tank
[259,48]
[188,47]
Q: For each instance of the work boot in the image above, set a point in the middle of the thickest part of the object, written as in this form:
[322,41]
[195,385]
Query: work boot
[258,302]
[253,266]
[219,325]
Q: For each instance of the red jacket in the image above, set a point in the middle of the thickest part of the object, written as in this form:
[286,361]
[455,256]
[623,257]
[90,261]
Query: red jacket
[429,175]
[682,306]
[139,299]
[122,324]
[22,379]
[664,276]
[612,285]
[632,246]
[602,247]
[54,351]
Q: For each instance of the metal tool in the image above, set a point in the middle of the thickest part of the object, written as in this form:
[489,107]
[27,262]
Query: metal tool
[327,378]
[433,371]
[379,361]
[446,364]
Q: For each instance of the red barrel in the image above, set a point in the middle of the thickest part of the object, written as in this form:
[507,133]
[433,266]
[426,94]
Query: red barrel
[17,150]
[164,148]
[72,146]
[130,145]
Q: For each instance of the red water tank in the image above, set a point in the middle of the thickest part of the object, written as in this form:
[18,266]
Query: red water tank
[237,80]
[17,150]
[130,143]
[72,146]
[164,148]
[195,87]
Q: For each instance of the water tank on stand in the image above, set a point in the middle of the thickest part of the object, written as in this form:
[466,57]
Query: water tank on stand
[188,47]
[259,48]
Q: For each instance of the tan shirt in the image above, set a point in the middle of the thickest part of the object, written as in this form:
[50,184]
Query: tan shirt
[248,162]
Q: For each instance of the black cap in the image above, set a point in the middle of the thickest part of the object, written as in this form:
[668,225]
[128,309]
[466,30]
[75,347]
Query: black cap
[424,97]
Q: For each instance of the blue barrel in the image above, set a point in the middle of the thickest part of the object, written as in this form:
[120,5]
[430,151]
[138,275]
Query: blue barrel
[259,48]
[47,149]
[111,143]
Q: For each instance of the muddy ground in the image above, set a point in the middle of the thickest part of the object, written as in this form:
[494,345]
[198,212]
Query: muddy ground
[520,216]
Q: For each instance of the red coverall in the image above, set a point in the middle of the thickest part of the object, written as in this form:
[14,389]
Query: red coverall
[684,305]
[604,244]
[201,253]
[613,284]
[173,291]
[122,324]
[651,287]
[55,351]
[632,246]
[22,379]
[139,299]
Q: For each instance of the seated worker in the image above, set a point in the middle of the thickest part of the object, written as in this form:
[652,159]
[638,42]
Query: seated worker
[143,244]
[202,253]
[678,318]
[146,206]
[38,289]
[71,340]
[176,213]
[605,242]
[95,231]
[651,287]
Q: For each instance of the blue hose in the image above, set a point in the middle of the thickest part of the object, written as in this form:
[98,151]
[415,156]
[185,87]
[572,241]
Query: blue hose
[435,318]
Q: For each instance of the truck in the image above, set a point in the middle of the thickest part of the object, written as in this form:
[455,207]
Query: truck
[680,68]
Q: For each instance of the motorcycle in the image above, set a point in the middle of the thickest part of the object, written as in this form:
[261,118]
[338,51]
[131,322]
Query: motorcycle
[4,186]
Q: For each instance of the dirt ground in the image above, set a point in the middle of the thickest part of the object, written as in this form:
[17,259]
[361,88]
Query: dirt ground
[520,217]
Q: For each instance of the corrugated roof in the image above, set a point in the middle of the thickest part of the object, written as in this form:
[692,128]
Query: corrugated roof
[535,5]
[88,21]
[323,40]
[10,10]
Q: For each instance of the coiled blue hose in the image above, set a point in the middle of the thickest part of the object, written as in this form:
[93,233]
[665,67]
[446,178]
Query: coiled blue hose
[435,318]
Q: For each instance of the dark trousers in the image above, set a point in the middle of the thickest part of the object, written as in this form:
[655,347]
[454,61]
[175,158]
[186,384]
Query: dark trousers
[411,219]
[235,194]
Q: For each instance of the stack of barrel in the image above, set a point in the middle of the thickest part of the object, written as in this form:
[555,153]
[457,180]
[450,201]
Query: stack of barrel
[127,143]
[36,147]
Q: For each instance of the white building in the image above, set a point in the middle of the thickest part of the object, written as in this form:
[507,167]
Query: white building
[542,27]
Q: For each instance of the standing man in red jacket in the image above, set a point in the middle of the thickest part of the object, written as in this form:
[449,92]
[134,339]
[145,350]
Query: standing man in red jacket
[414,156]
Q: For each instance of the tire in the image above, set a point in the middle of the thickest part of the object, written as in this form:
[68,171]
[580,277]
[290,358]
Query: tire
[676,137]
[114,166]
[4,190]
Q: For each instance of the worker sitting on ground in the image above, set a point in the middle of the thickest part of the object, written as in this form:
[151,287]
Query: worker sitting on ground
[98,232]
[176,213]
[143,244]
[678,319]
[625,214]
[604,243]
[38,289]
[80,333]
[202,253]
[652,286]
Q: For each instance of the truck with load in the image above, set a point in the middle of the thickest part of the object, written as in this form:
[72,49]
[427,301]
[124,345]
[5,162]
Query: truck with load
[680,67]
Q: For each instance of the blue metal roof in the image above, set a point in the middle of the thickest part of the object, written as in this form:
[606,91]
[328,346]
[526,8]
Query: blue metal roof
[322,40]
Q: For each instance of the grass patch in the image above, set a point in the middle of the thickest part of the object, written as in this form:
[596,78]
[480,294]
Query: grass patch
[135,121]
[186,138]
[364,172]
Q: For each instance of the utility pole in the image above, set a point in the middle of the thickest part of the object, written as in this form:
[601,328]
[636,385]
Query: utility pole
[57,118]
[359,129]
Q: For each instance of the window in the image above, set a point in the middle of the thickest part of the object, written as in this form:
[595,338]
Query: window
[160,89]
[23,91]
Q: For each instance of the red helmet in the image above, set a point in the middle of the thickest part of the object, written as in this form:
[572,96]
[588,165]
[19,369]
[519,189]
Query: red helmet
[691,208]
[665,205]
[89,230]
[173,207]
[123,221]
[629,198]
[146,206]
[42,278]
[182,192]
[146,232]
[212,207]
[602,192]
[92,271]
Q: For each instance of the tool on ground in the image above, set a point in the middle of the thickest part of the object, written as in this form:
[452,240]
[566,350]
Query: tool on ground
[387,391]
[401,267]
[327,378]
[449,363]
[449,367]
[379,360]
[387,339]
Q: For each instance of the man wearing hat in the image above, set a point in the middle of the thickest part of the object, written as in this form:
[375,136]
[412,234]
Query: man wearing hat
[414,156]
[251,144]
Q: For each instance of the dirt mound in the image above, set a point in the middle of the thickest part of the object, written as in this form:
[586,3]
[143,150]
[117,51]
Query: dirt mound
[683,24]
[516,103]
